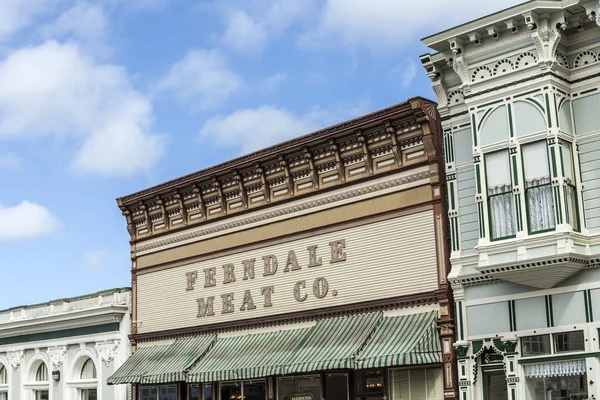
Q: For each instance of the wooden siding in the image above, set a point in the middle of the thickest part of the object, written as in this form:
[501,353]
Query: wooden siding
[589,155]
[384,259]
[469,228]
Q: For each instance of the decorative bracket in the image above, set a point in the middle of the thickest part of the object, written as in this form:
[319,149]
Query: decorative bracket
[289,180]
[57,355]
[201,203]
[365,149]
[243,196]
[15,358]
[311,164]
[264,183]
[546,39]
[216,184]
[182,208]
[338,160]
[107,350]
[395,146]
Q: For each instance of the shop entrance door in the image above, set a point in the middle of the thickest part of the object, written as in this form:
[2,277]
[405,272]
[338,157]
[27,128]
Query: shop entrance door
[494,385]
[336,386]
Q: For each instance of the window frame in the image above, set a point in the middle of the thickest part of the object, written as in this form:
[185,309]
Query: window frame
[526,189]
[553,345]
[572,185]
[202,387]
[139,391]
[488,196]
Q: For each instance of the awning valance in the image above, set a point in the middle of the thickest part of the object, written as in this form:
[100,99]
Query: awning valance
[333,343]
[248,356]
[162,363]
[402,340]
[559,368]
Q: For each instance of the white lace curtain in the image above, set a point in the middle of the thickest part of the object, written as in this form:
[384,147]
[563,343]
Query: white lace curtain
[560,368]
[540,204]
[502,210]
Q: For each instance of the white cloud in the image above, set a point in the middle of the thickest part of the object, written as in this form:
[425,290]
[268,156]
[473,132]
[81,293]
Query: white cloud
[252,129]
[243,34]
[84,20]
[74,96]
[386,26]
[98,258]
[202,79]
[18,14]
[407,71]
[250,24]
[25,221]
[273,82]
[10,161]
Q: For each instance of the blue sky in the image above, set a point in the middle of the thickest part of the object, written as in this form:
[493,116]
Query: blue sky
[102,98]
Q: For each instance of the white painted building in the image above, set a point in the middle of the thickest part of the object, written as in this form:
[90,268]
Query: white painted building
[65,349]
[519,96]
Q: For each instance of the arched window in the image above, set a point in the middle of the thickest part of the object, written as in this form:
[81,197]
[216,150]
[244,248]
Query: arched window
[88,371]
[41,375]
[3,375]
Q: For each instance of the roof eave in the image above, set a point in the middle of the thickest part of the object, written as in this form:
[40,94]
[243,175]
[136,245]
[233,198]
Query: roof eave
[439,41]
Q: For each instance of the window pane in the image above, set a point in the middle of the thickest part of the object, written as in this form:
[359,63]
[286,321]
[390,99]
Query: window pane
[567,162]
[498,171]
[88,371]
[535,162]
[417,384]
[435,384]
[400,384]
[336,387]
[208,391]
[89,394]
[41,395]
[255,390]
[193,392]
[557,387]
[3,396]
[535,345]
[502,213]
[149,393]
[3,376]
[569,341]
[231,390]
[167,393]
[310,385]
[571,207]
[540,207]
[42,373]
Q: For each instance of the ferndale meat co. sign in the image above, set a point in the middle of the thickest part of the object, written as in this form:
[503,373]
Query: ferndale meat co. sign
[269,265]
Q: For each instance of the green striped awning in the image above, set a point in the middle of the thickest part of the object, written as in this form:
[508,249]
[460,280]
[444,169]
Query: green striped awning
[247,356]
[333,343]
[402,340]
[162,363]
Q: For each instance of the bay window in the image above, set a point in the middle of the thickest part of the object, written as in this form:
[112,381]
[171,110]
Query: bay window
[538,188]
[501,203]
[571,207]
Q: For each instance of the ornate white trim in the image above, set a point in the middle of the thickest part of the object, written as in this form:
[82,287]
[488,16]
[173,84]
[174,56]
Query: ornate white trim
[561,368]
[15,358]
[398,182]
[107,350]
[57,355]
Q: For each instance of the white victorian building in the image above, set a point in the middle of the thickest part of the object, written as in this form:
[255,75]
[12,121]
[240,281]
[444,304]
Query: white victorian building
[65,349]
[519,96]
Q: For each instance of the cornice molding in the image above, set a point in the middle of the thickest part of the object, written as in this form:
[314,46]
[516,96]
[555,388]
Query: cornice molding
[397,182]
[61,322]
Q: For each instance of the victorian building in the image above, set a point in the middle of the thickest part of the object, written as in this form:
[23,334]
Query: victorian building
[519,98]
[312,269]
[65,349]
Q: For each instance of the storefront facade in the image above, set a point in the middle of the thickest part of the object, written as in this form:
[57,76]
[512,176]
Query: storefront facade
[65,349]
[314,269]
[518,98]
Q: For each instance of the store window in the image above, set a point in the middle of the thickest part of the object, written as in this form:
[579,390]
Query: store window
[368,384]
[538,188]
[569,341]
[571,203]
[336,386]
[306,387]
[3,383]
[501,203]
[200,392]
[247,390]
[535,345]
[557,380]
[163,392]
[416,384]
